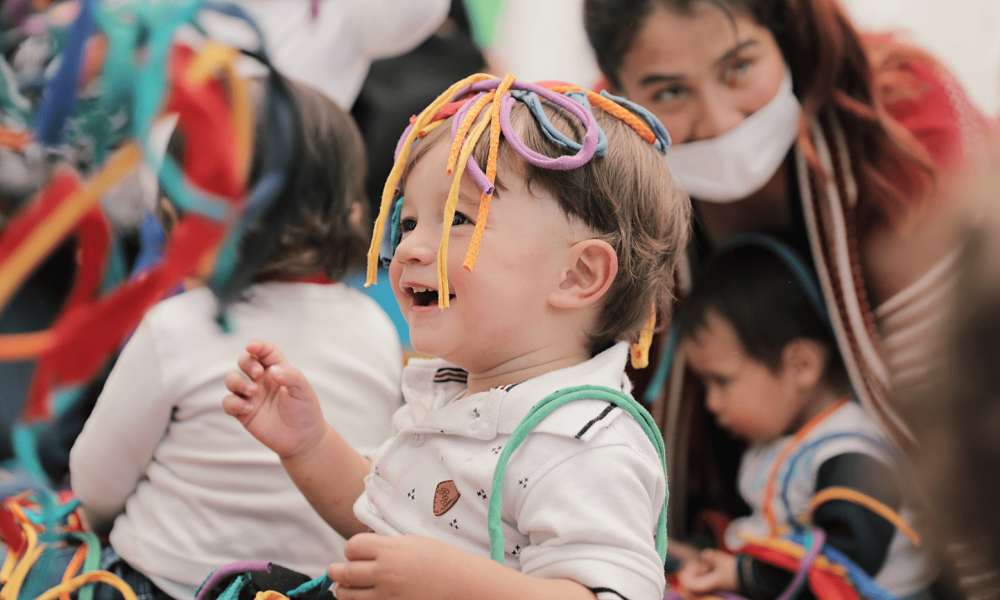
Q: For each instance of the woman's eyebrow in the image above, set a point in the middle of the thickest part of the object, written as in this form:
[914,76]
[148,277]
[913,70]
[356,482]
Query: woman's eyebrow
[658,78]
[732,52]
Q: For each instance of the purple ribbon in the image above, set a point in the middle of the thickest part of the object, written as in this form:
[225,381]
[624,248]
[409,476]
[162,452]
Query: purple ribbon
[567,162]
[819,538]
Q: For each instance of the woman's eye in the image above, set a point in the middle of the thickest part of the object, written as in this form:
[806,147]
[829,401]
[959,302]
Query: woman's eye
[670,94]
[720,381]
[407,225]
[737,69]
[460,219]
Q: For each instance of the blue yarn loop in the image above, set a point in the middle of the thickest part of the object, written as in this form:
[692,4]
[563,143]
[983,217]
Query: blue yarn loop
[805,449]
[862,582]
[60,95]
[534,104]
[391,234]
[662,137]
[544,408]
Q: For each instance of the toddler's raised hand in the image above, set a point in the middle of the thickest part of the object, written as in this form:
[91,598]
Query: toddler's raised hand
[276,404]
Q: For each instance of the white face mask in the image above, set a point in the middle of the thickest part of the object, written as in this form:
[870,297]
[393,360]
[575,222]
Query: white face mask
[739,162]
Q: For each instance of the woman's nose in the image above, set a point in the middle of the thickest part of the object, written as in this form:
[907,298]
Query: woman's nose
[718,114]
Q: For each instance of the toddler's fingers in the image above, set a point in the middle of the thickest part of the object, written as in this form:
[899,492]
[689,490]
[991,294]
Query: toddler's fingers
[363,546]
[249,364]
[266,352]
[236,406]
[240,385]
[290,378]
[355,574]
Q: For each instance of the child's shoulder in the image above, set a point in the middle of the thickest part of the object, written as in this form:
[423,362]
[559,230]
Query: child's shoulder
[849,429]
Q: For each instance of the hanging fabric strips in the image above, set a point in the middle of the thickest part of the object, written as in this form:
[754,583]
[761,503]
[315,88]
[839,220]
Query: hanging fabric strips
[466,101]
[126,52]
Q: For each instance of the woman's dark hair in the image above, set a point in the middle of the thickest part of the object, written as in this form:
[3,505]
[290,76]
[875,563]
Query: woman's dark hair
[831,69]
[765,303]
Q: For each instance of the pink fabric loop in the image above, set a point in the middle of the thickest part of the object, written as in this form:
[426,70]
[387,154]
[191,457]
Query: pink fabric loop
[562,162]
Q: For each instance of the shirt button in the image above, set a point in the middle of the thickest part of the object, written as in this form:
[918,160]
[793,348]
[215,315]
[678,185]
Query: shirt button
[416,439]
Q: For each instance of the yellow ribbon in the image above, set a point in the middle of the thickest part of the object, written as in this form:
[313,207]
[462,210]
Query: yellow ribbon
[48,233]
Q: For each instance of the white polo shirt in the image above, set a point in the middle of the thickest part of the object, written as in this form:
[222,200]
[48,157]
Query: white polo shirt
[581,496]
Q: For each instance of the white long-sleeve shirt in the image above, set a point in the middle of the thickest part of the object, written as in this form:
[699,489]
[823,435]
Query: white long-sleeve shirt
[185,486]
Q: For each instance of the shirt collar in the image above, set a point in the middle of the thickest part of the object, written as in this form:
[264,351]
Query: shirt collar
[431,389]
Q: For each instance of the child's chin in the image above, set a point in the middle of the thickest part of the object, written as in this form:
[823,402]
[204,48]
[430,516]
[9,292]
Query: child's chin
[425,347]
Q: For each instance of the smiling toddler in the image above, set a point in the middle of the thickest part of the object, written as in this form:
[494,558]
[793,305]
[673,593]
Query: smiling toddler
[532,234]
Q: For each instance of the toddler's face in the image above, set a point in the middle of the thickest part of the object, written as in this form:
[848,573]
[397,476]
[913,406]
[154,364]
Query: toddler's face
[498,313]
[747,398]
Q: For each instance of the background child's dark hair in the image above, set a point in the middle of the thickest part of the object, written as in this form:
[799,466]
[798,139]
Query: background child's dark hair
[758,295]
[317,222]
[328,231]
[626,196]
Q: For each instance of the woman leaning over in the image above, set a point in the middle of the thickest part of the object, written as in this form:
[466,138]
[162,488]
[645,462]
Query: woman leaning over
[786,121]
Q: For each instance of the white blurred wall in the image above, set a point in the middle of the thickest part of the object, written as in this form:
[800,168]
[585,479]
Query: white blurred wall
[544,39]
[539,40]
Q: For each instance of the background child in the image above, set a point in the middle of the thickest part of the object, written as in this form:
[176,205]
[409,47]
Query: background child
[753,330]
[183,488]
[570,262]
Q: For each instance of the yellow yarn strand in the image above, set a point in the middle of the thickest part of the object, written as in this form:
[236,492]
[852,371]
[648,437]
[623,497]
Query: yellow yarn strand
[74,566]
[434,125]
[491,173]
[62,220]
[90,577]
[639,351]
[463,130]
[8,565]
[12,588]
[449,211]
[397,169]
[794,550]
[212,58]
[856,497]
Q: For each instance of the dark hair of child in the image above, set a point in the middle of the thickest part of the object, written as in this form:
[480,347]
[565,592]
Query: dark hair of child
[318,222]
[765,303]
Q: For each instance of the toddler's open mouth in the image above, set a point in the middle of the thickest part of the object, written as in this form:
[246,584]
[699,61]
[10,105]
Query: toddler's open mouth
[425,296]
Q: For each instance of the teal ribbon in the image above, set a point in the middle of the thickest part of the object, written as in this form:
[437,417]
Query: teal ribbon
[541,410]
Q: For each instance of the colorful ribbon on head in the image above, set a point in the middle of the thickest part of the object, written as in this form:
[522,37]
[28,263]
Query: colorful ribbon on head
[466,100]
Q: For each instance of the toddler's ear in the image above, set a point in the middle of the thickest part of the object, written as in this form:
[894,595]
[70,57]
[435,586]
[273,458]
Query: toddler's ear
[806,361]
[590,268]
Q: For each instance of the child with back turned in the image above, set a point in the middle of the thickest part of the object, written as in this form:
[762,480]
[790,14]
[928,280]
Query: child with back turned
[576,250]
[755,332]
